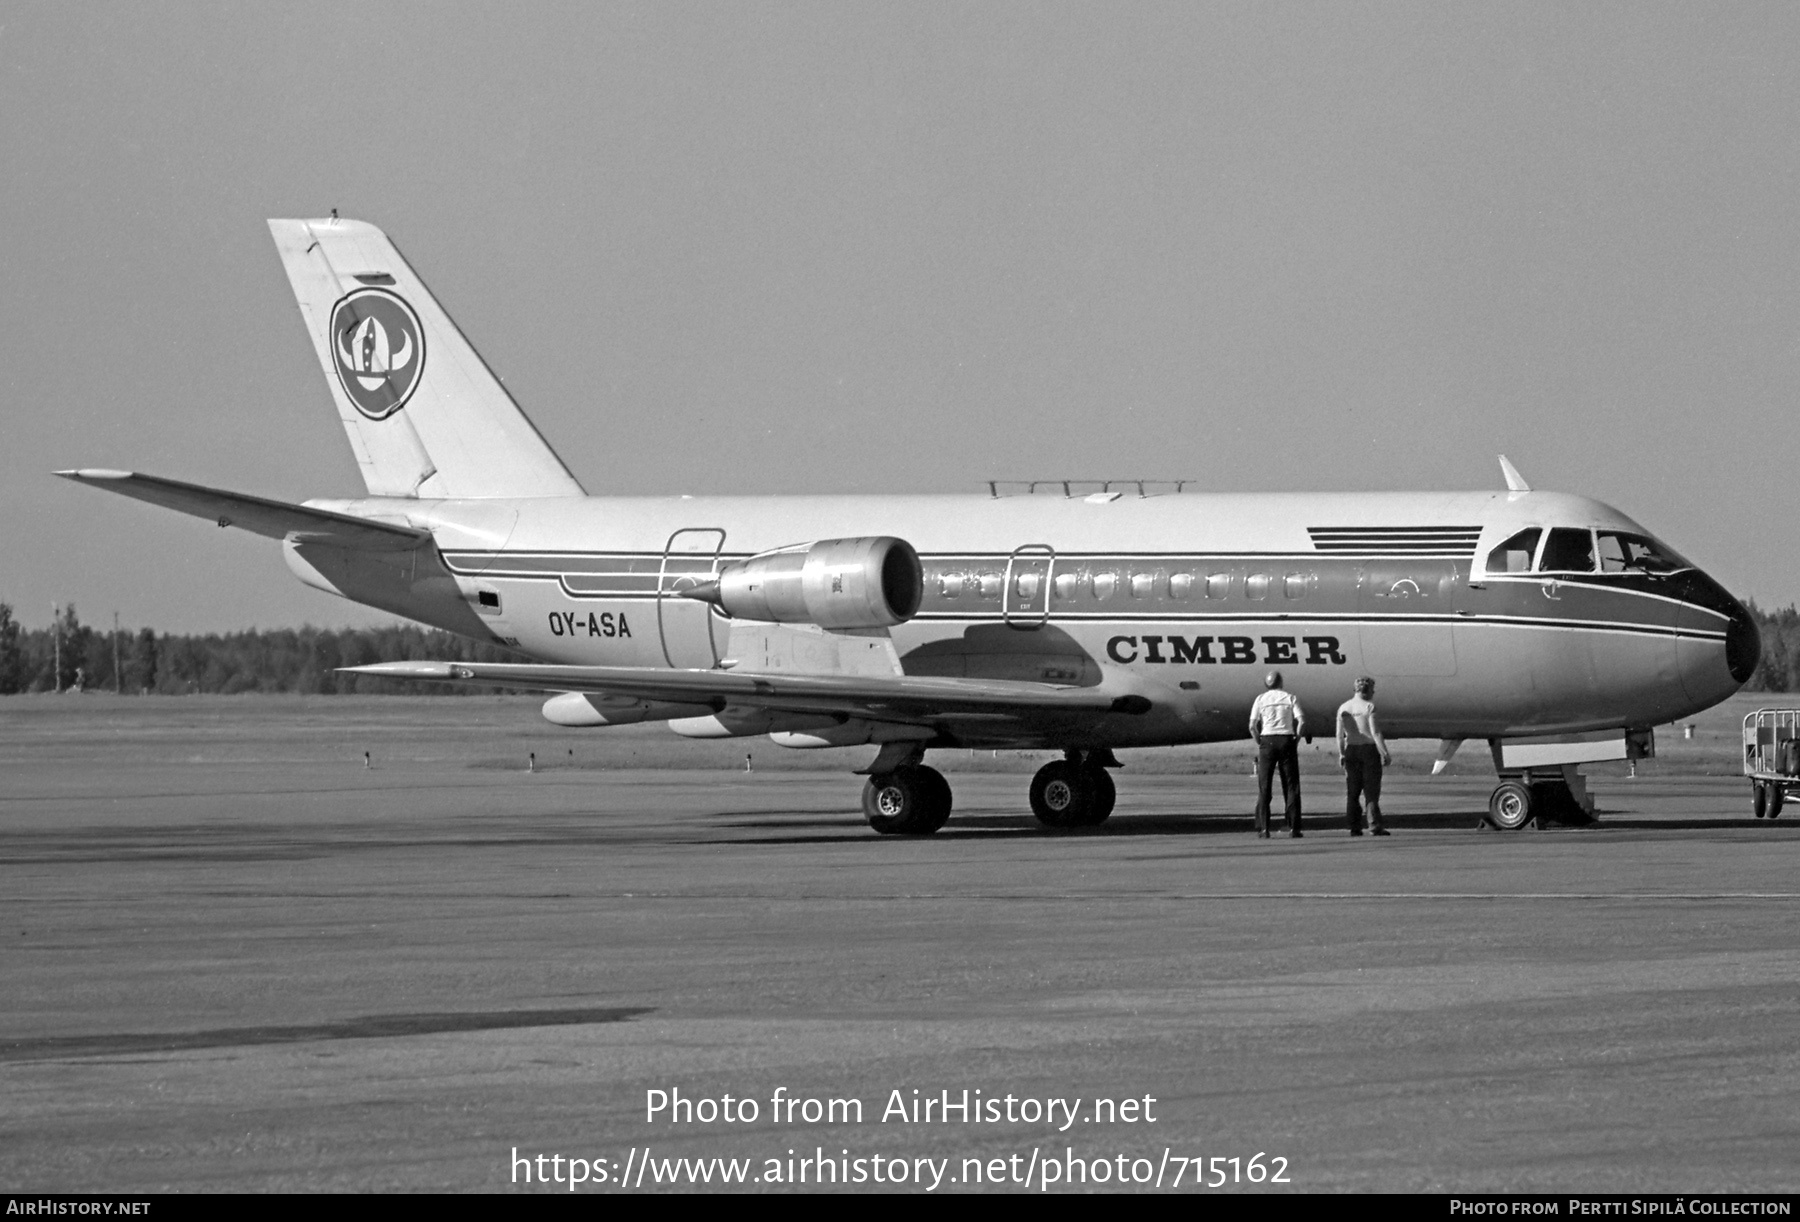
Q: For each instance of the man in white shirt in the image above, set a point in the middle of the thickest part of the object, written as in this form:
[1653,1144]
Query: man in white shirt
[1362,753]
[1276,723]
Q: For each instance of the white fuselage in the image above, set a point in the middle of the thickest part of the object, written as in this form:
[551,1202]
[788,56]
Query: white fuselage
[1187,599]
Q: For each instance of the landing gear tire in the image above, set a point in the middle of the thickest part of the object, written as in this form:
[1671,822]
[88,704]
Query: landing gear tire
[1509,809]
[1102,795]
[941,798]
[1776,795]
[1061,795]
[912,800]
[1760,804]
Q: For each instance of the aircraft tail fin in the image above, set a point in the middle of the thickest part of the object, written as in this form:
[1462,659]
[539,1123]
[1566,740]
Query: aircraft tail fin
[425,415]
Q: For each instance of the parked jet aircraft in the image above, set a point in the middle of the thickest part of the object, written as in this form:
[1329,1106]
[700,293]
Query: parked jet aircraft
[1552,625]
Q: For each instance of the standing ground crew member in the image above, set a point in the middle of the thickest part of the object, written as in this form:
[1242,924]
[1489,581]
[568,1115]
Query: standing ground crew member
[1276,723]
[1362,753]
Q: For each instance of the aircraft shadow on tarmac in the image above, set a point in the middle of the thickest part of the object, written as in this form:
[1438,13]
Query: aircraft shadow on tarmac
[1639,823]
[975,826]
[374,1026]
[978,826]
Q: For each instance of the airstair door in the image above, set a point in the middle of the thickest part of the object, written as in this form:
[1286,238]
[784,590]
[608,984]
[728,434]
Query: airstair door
[692,632]
[1025,598]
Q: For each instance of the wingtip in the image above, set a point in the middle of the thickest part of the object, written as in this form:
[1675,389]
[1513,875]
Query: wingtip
[400,670]
[94,473]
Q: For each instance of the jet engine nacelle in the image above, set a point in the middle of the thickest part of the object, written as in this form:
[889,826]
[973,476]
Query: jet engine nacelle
[834,583]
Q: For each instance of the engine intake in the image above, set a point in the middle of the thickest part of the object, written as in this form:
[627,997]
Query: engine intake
[834,583]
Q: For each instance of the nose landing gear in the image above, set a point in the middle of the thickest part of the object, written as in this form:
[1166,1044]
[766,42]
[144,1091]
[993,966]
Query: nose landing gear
[1509,808]
[1560,795]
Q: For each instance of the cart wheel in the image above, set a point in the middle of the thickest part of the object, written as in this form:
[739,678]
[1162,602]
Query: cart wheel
[1776,793]
[1761,801]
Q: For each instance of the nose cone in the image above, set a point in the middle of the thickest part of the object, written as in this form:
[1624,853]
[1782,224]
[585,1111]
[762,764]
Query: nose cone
[1709,673]
[1743,644]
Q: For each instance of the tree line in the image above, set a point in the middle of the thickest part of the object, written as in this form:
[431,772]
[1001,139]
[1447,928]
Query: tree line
[70,654]
[1779,668]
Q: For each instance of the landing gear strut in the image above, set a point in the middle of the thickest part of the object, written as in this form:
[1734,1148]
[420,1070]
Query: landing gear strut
[1074,791]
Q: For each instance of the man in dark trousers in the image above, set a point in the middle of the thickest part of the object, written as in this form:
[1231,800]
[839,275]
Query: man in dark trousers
[1362,753]
[1276,723]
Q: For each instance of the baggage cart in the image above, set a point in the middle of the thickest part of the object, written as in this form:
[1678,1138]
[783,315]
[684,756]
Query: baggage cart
[1772,758]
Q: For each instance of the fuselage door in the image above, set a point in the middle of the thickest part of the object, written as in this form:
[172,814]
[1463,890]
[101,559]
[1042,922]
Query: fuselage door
[1406,604]
[1025,598]
[689,628]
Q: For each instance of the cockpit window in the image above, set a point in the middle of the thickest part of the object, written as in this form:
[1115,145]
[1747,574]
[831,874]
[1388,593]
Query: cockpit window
[1568,551]
[1623,553]
[1514,556]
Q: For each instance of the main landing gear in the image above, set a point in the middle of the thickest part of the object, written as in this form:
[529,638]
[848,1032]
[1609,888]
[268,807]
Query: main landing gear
[911,800]
[1074,791]
[904,797]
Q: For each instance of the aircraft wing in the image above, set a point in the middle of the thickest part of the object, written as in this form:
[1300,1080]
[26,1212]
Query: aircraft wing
[901,698]
[275,519]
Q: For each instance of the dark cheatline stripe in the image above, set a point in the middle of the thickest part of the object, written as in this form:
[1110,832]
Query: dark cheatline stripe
[1328,619]
[555,564]
[374,1026]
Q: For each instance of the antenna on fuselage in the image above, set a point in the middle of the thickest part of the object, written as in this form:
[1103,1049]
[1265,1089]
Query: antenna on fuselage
[1514,481]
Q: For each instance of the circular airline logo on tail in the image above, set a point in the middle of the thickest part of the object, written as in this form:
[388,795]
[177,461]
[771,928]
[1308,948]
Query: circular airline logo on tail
[378,347]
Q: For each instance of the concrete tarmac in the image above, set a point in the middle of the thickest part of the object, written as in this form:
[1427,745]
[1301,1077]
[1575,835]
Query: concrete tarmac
[235,958]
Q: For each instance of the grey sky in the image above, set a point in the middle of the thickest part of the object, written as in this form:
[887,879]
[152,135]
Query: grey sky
[900,247]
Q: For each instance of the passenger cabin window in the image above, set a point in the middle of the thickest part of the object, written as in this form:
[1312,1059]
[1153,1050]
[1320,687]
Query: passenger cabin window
[1218,585]
[1294,585]
[1256,586]
[1623,553]
[989,585]
[1181,585]
[1568,551]
[1065,584]
[1143,585]
[1104,585]
[1514,556]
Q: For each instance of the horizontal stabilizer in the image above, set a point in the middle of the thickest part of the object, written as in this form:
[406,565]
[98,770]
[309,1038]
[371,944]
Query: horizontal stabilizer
[275,519]
[904,698]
